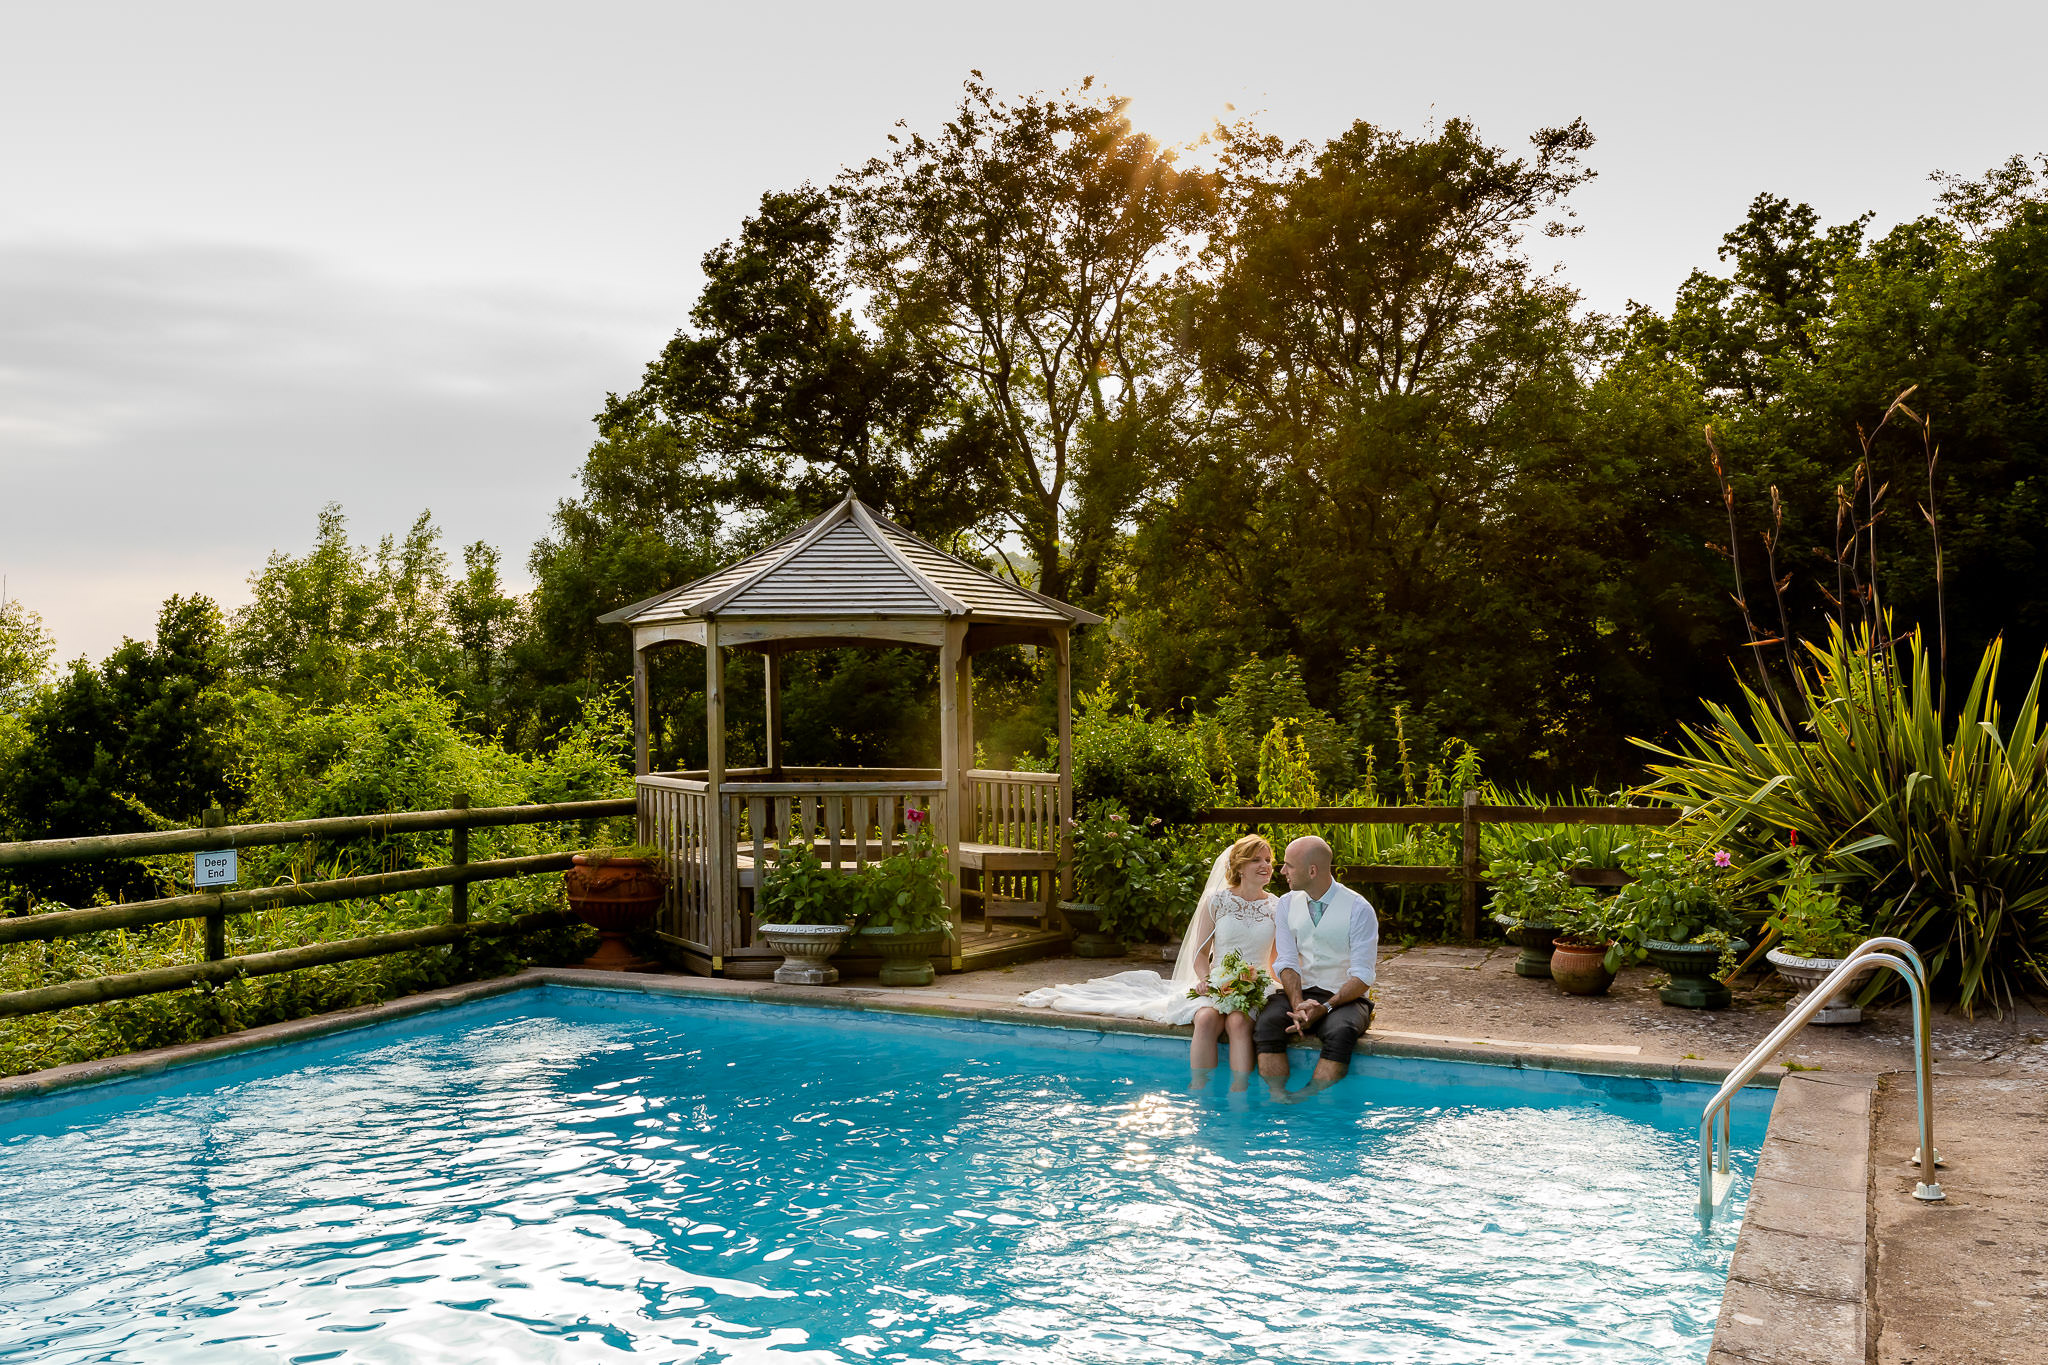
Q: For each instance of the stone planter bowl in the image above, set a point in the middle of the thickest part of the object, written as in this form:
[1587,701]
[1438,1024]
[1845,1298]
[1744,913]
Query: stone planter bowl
[906,958]
[805,949]
[1085,918]
[1535,941]
[1692,967]
[1580,968]
[1807,973]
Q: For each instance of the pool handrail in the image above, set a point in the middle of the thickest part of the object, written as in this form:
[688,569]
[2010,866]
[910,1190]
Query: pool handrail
[1715,1176]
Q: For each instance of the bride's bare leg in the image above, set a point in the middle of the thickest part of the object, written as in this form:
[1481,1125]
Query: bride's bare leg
[1238,1026]
[1202,1051]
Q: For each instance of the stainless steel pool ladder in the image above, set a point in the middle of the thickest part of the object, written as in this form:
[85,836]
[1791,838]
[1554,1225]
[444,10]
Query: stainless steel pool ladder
[1716,1179]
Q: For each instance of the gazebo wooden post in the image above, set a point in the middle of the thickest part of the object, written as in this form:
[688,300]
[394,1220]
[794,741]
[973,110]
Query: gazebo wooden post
[952,770]
[641,759]
[719,842]
[969,820]
[773,756]
[1064,655]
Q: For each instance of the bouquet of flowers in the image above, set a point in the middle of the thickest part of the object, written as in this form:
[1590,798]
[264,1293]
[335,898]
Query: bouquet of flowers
[1243,990]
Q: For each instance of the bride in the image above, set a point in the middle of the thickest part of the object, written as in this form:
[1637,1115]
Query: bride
[1234,915]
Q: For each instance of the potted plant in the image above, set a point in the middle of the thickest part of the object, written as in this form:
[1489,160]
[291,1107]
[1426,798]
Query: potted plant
[1816,931]
[903,914]
[1528,900]
[617,891]
[1139,888]
[1580,957]
[1676,915]
[802,909]
[1085,919]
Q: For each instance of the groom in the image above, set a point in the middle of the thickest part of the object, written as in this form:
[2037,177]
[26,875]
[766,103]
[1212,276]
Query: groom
[1326,943]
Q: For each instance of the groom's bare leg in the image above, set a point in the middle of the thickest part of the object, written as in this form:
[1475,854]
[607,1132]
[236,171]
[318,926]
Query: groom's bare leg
[1327,1073]
[1269,1038]
[1340,1032]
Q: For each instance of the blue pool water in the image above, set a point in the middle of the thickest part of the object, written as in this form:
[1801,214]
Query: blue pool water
[583,1176]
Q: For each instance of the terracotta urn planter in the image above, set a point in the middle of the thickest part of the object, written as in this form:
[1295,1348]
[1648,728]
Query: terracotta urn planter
[1535,941]
[1085,918]
[1807,973]
[906,958]
[616,897]
[805,950]
[1580,968]
[1693,985]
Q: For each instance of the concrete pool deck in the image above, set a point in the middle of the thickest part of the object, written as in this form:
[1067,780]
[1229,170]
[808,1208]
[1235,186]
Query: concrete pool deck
[1836,1261]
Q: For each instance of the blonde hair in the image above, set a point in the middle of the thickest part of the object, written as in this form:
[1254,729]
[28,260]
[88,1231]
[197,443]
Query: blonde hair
[1242,852]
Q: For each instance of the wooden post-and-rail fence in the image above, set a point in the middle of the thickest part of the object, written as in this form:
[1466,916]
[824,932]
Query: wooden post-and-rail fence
[1469,815]
[214,907]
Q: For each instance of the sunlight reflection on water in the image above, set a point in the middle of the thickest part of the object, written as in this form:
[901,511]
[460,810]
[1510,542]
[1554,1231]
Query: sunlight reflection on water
[565,1177]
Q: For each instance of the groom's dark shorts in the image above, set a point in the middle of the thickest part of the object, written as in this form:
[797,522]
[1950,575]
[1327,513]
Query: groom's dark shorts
[1339,1029]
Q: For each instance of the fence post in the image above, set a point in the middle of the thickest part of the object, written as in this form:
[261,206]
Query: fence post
[1470,868]
[458,856]
[216,918]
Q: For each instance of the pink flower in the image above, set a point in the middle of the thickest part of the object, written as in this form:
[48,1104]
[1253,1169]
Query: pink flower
[914,816]
[1721,858]
[1116,816]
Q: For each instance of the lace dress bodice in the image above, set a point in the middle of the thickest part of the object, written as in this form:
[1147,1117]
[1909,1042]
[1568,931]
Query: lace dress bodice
[1243,927]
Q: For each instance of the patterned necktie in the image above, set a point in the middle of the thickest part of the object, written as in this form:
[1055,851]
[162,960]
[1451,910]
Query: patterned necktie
[1315,914]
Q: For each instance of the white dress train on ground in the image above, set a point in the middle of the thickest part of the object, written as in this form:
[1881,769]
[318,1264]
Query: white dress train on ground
[1224,922]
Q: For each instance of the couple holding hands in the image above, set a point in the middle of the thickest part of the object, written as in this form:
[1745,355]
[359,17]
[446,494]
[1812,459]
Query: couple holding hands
[1320,943]
[1259,969]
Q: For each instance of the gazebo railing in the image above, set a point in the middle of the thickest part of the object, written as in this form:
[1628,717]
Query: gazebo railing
[674,815]
[708,911]
[1014,810]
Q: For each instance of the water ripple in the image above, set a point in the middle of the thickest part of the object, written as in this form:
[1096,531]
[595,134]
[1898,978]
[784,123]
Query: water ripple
[559,1178]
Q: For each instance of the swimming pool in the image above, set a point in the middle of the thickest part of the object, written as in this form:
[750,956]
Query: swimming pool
[588,1175]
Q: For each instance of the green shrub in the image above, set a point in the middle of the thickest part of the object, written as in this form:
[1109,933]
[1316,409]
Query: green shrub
[800,889]
[1593,920]
[1809,921]
[1932,813]
[1681,894]
[1147,765]
[1533,892]
[1146,886]
[905,892]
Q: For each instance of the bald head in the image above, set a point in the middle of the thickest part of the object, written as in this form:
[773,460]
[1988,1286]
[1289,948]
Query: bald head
[1307,865]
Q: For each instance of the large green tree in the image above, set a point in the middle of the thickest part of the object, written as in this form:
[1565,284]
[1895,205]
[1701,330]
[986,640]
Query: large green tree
[1013,252]
[26,648]
[1799,351]
[1385,469]
[343,619]
[779,402]
[143,739]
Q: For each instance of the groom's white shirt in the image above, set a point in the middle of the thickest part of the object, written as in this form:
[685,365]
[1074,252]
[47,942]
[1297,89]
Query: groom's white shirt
[1318,953]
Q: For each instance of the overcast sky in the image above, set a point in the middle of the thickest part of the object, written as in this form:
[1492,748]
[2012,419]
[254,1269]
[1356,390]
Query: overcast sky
[257,257]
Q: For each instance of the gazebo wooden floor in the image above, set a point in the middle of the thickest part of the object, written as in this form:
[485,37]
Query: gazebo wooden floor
[1002,945]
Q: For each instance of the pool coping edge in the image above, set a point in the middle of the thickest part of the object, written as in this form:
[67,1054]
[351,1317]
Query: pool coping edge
[876,1000]
[1802,1273]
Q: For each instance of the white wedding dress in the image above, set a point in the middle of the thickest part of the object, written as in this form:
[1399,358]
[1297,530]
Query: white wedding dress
[1224,923]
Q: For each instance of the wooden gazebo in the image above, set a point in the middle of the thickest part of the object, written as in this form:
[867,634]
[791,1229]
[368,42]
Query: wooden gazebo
[852,578]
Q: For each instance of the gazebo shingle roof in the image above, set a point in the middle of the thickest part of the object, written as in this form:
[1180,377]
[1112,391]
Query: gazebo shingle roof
[851,562]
